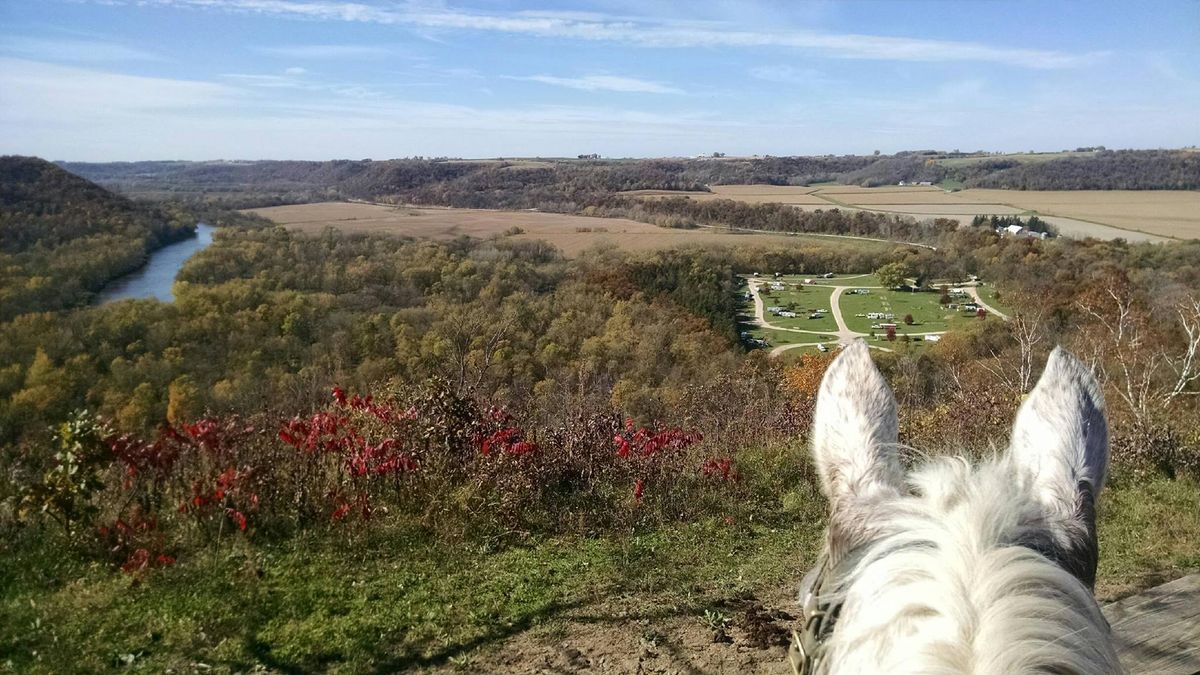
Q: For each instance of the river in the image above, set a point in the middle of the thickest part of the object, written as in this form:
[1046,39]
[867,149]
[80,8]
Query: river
[155,278]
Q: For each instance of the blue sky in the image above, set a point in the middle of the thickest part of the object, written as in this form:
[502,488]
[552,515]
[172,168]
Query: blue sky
[317,79]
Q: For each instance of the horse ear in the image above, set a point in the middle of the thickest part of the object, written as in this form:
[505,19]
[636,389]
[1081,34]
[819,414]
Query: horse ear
[855,431]
[1060,445]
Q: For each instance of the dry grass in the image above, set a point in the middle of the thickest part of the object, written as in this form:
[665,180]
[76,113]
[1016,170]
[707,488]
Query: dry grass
[757,194]
[939,210]
[571,234]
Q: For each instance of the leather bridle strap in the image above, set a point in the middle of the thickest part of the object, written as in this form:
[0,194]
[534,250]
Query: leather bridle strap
[819,616]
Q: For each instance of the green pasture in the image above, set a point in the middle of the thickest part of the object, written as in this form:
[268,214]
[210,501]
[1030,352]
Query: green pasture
[928,315]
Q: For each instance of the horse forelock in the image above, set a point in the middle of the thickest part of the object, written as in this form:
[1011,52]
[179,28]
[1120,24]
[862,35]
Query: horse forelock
[966,573]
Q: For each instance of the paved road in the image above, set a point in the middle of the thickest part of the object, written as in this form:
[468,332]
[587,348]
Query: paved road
[974,291]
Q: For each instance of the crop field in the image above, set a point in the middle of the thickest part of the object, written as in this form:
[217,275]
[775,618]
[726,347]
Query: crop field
[571,234]
[1168,213]
[784,194]
[1134,215]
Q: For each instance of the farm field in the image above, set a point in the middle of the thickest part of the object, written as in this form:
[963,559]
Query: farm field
[571,234]
[1168,213]
[1134,215]
[754,194]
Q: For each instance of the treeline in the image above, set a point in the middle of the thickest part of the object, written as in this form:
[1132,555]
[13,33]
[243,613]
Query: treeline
[565,185]
[1106,170]
[771,217]
[1032,223]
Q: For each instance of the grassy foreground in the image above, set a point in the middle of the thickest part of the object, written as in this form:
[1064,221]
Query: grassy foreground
[390,598]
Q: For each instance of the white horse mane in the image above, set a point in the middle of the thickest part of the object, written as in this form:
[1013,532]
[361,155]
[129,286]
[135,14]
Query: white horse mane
[957,568]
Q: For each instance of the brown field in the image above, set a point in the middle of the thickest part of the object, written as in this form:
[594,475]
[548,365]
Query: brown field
[784,194]
[754,194]
[571,234]
[945,209]
[892,197]
[1167,213]
[1134,215]
[859,190]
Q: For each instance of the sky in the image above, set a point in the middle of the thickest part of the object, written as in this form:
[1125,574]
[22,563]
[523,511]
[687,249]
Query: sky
[117,80]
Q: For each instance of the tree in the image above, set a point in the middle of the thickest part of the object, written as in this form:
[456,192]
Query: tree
[891,333]
[1133,349]
[183,400]
[908,319]
[893,274]
[944,298]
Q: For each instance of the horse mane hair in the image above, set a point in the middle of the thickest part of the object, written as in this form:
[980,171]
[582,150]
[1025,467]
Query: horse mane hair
[961,567]
[954,586]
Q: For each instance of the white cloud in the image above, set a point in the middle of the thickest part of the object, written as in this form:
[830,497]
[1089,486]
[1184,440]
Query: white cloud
[326,51]
[75,113]
[646,33]
[294,70]
[40,89]
[59,49]
[785,74]
[602,83]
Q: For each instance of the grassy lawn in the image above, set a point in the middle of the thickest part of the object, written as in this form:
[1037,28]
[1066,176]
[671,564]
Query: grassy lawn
[802,300]
[928,315]
[991,296]
[845,280]
[392,598]
[782,337]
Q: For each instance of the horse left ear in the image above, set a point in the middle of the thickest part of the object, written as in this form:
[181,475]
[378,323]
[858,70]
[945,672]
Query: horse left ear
[855,436]
[1060,445]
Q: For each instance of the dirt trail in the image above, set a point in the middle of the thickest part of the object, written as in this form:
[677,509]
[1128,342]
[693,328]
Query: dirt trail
[753,642]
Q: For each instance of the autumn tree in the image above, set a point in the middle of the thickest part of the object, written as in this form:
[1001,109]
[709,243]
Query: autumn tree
[893,275]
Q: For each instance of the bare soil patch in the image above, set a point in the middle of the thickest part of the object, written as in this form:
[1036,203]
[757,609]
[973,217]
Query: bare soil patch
[751,638]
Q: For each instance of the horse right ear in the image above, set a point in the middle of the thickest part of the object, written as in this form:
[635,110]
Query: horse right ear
[855,436]
[1060,446]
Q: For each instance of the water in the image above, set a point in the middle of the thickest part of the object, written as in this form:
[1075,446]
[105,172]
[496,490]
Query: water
[155,278]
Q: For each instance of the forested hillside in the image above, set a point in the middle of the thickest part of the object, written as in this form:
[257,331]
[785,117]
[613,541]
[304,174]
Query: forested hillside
[64,237]
[570,185]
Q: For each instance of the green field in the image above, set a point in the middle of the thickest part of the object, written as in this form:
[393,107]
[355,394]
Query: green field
[803,300]
[928,315]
